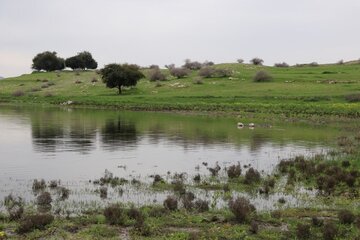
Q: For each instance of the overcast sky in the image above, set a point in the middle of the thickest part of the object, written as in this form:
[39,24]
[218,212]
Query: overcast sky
[168,31]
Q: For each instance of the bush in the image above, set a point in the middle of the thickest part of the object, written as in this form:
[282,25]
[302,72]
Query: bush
[252,176]
[240,60]
[234,171]
[283,64]
[254,227]
[179,72]
[207,72]
[156,75]
[14,207]
[353,97]
[262,76]
[329,231]
[346,217]
[53,184]
[303,231]
[170,66]
[317,222]
[222,73]
[192,65]
[171,203]
[44,199]
[18,93]
[198,80]
[63,193]
[35,221]
[38,185]
[103,192]
[241,208]
[114,214]
[215,170]
[201,205]
[208,64]
[313,64]
[158,179]
[340,62]
[257,61]
[197,178]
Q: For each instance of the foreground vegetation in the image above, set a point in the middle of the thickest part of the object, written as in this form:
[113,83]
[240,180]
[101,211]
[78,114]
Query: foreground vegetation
[309,90]
[333,213]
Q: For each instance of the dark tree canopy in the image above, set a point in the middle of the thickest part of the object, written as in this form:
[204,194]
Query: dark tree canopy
[119,75]
[48,61]
[82,60]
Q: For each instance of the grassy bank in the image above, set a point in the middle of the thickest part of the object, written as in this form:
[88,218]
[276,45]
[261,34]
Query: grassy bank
[322,90]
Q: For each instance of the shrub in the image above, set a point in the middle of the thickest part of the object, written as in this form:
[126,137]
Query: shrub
[252,176]
[283,64]
[234,171]
[38,185]
[53,184]
[154,66]
[240,60]
[103,192]
[158,179]
[313,64]
[317,222]
[346,217]
[18,93]
[179,72]
[207,72]
[35,221]
[171,203]
[48,94]
[257,61]
[114,214]
[63,193]
[208,63]
[94,80]
[222,73]
[241,208]
[329,231]
[192,65]
[179,187]
[215,170]
[78,81]
[197,178]
[340,62]
[198,80]
[353,97]
[262,76]
[201,205]
[134,213]
[44,199]
[254,227]
[14,207]
[156,75]
[170,66]
[303,231]
[157,212]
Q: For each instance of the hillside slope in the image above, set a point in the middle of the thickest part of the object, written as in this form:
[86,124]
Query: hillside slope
[324,89]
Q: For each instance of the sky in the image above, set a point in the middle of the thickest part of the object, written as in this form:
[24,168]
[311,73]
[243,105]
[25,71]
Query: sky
[161,32]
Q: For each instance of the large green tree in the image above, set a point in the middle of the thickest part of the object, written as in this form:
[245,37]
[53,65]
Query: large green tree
[121,75]
[82,60]
[48,61]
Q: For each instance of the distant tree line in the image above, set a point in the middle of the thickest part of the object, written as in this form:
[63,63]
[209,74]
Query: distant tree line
[49,61]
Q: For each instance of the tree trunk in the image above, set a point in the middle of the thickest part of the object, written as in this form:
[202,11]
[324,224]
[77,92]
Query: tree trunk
[119,89]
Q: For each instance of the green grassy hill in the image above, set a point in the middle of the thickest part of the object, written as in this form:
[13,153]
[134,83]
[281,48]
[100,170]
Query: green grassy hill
[321,90]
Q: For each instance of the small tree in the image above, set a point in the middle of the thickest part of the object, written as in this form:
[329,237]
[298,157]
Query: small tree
[257,61]
[119,75]
[82,60]
[192,65]
[47,61]
[179,72]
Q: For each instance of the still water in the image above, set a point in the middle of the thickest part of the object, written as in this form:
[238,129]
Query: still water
[77,145]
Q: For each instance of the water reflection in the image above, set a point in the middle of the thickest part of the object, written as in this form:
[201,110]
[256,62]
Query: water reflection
[118,133]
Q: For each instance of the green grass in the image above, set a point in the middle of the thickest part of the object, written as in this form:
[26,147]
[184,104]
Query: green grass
[294,90]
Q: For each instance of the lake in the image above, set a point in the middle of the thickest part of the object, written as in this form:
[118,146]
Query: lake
[76,146]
